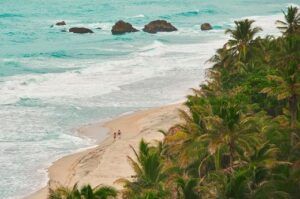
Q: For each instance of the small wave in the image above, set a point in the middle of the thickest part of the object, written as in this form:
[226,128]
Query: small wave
[137,16]
[123,38]
[27,66]
[55,54]
[155,44]
[217,27]
[156,48]
[29,102]
[9,15]
[189,13]
[106,26]
[192,13]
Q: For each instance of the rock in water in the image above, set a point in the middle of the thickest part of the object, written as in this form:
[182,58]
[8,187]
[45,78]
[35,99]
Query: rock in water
[122,27]
[61,23]
[80,30]
[206,26]
[159,26]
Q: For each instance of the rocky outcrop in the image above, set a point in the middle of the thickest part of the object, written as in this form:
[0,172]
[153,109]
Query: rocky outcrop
[122,27]
[159,26]
[61,23]
[80,30]
[206,26]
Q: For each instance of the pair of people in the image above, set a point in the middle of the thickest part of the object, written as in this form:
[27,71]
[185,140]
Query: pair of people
[117,134]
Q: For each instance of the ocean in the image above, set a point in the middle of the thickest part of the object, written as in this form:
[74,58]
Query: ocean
[52,82]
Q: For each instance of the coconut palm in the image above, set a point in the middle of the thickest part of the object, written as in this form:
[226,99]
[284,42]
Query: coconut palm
[287,179]
[241,38]
[291,25]
[85,192]
[285,83]
[232,141]
[187,188]
[222,58]
[229,128]
[148,169]
[100,192]
[65,193]
[249,181]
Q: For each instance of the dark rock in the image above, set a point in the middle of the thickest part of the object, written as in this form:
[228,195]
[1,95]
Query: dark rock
[206,26]
[61,23]
[80,30]
[159,26]
[99,28]
[122,27]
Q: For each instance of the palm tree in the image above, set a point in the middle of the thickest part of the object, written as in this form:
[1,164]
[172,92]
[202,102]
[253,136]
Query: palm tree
[187,188]
[226,145]
[229,128]
[86,192]
[148,171]
[148,167]
[222,58]
[64,193]
[291,24]
[99,192]
[285,83]
[241,38]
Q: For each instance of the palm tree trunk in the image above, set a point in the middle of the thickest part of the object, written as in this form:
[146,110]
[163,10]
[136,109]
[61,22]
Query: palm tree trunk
[293,106]
[217,159]
[231,153]
[176,193]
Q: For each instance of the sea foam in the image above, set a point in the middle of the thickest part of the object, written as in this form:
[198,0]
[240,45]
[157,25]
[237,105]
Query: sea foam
[52,82]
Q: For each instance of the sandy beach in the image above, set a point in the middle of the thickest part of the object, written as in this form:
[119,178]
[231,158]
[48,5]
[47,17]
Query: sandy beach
[107,162]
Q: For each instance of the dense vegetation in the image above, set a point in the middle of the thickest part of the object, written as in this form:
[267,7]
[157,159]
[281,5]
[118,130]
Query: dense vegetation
[85,192]
[240,137]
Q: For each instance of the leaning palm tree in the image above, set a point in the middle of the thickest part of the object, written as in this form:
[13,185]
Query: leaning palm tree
[241,38]
[291,24]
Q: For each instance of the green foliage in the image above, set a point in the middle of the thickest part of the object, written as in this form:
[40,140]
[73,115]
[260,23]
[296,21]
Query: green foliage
[187,188]
[240,136]
[242,39]
[291,23]
[85,192]
[149,173]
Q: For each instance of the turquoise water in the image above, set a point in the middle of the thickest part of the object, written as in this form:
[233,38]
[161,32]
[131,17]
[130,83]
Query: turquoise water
[52,82]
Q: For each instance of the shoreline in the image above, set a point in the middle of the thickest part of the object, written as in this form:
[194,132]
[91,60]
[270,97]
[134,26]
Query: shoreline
[106,162]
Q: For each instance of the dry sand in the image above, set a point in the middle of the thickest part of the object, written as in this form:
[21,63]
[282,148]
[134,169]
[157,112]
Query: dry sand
[107,162]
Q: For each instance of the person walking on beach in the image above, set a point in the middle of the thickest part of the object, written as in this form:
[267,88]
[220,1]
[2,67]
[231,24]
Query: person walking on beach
[119,134]
[115,136]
